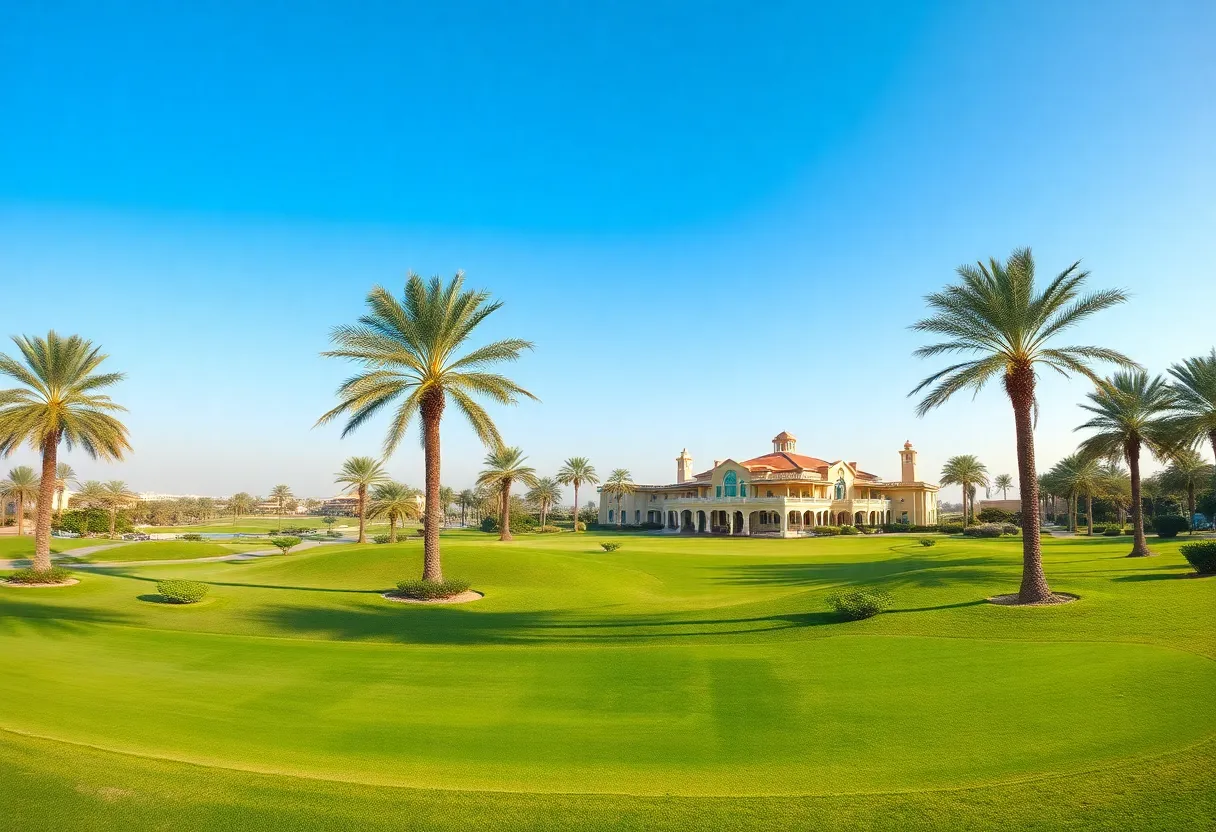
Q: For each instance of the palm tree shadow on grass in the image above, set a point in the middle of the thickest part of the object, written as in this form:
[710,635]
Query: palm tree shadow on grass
[117,572]
[15,615]
[906,570]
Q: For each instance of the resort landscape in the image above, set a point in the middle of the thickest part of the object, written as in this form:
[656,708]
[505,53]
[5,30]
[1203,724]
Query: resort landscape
[527,564]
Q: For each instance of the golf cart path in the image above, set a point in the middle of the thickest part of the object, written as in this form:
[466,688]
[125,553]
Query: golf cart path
[260,553]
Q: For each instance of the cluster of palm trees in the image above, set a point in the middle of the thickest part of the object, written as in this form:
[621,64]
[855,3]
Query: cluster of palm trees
[504,467]
[1006,327]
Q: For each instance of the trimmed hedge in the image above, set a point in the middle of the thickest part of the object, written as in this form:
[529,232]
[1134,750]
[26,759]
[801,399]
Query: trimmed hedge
[950,528]
[1201,554]
[380,538]
[1170,525]
[861,603]
[520,524]
[983,530]
[547,529]
[30,575]
[431,590]
[1113,531]
[849,530]
[182,592]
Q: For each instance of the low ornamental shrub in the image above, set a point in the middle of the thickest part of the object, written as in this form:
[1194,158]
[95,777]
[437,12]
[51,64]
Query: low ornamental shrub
[1099,529]
[608,546]
[983,530]
[182,592]
[547,529]
[927,541]
[520,524]
[828,530]
[580,526]
[192,536]
[859,604]
[1202,555]
[994,515]
[431,590]
[1010,528]
[380,538]
[1170,525]
[950,528]
[285,544]
[849,530]
[30,575]
[1113,531]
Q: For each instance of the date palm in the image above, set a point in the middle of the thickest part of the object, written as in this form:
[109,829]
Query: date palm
[617,486]
[1078,475]
[115,496]
[467,500]
[996,315]
[240,503]
[504,467]
[395,502]
[447,496]
[544,495]
[64,474]
[358,474]
[22,487]
[1002,483]
[58,400]
[411,349]
[1130,412]
[1195,398]
[967,472]
[1187,472]
[577,471]
[1117,488]
[280,495]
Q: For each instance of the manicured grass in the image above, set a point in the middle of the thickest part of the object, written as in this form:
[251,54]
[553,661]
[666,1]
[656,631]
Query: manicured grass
[261,525]
[14,546]
[677,683]
[171,549]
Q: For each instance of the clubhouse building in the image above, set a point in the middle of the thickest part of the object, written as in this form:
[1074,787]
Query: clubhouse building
[780,494]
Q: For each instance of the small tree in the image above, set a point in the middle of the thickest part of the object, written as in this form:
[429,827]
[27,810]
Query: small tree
[576,471]
[285,543]
[1002,483]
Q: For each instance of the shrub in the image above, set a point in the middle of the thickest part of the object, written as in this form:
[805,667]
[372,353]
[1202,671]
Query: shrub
[1201,555]
[332,533]
[862,603]
[1010,528]
[849,530]
[1170,524]
[182,592]
[1113,531]
[30,575]
[285,544]
[828,530]
[1099,529]
[520,524]
[431,590]
[984,530]
[191,536]
[950,528]
[994,515]
[548,530]
[380,538]
[927,541]
[580,526]
[609,546]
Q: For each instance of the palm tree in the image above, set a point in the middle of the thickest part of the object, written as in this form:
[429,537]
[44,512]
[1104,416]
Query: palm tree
[1186,472]
[358,474]
[240,503]
[63,475]
[410,351]
[466,499]
[504,467]
[92,494]
[1076,475]
[58,400]
[544,495]
[576,471]
[1117,487]
[1152,490]
[447,496]
[115,496]
[1195,402]
[22,487]
[996,315]
[1130,411]
[396,502]
[1002,483]
[280,494]
[619,484]
[966,471]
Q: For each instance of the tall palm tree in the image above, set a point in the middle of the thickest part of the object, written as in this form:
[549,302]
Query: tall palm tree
[617,486]
[240,503]
[544,495]
[447,496]
[966,471]
[1117,488]
[1077,475]
[396,502]
[1195,398]
[504,467]
[92,494]
[576,471]
[1130,412]
[1186,472]
[22,487]
[280,494]
[996,315]
[1002,483]
[358,474]
[466,499]
[58,400]
[410,349]
[64,474]
[116,496]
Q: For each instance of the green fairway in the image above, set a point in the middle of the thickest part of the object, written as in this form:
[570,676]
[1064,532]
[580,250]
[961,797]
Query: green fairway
[172,550]
[15,546]
[263,525]
[675,683]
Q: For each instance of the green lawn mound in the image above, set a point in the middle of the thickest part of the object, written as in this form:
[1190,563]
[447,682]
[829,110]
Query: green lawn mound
[171,550]
[672,667]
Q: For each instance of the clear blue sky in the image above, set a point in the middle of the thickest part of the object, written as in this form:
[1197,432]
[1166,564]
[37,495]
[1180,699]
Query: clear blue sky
[715,221]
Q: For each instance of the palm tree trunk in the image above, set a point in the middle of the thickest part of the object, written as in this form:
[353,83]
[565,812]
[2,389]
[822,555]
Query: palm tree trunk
[1190,506]
[1020,386]
[504,532]
[1139,544]
[1089,514]
[965,489]
[362,514]
[46,494]
[113,520]
[432,411]
[20,515]
[576,506]
[392,528]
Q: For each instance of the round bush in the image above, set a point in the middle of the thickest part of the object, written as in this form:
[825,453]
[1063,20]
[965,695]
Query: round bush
[1170,525]
[30,575]
[849,530]
[580,526]
[1201,555]
[547,529]
[380,538]
[1011,528]
[951,528]
[983,530]
[182,592]
[431,590]
[862,603]
[191,536]
[610,547]
[927,542]
[1113,531]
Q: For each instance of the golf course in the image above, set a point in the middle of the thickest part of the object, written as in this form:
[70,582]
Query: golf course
[676,683]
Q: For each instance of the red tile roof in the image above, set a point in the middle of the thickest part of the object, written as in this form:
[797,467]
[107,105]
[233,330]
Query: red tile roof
[784,461]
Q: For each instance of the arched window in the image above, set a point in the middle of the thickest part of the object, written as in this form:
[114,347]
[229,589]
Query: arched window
[730,483]
[840,489]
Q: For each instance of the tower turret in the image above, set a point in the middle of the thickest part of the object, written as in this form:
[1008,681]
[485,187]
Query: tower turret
[907,458]
[683,466]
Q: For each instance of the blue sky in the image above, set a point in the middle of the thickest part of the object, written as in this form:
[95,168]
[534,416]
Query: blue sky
[715,221]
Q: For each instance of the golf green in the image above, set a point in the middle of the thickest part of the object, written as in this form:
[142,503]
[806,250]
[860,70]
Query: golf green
[699,681]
